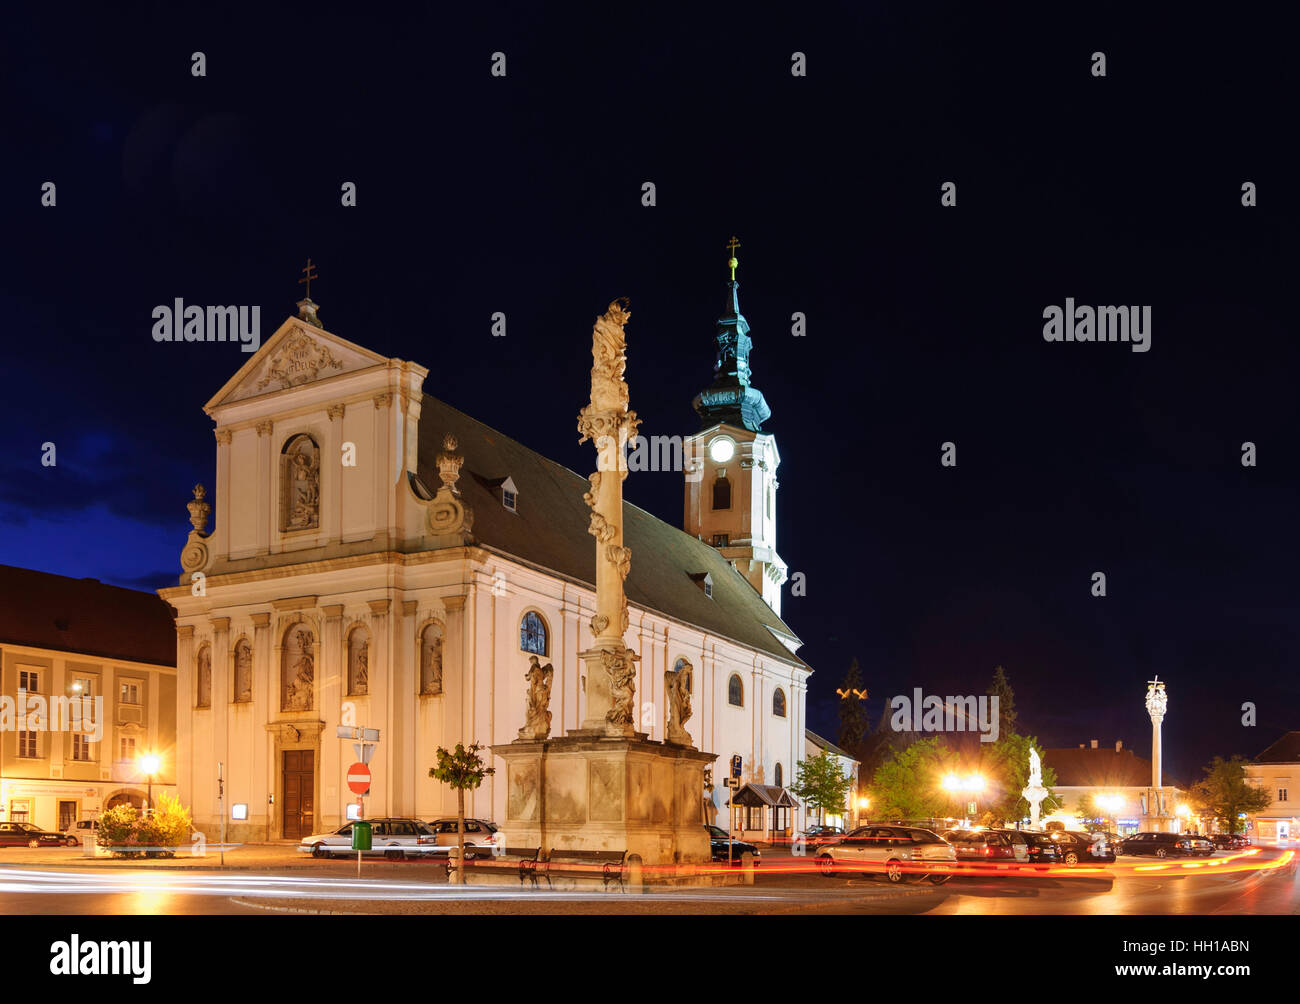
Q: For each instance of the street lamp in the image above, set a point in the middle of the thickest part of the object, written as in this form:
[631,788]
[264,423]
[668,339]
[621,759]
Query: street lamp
[970,785]
[149,763]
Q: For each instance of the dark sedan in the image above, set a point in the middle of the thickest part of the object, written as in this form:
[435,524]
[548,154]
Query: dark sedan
[1167,845]
[1077,846]
[1229,841]
[27,835]
[1043,850]
[718,841]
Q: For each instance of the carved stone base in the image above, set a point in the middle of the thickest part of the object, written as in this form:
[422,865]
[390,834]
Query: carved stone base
[589,792]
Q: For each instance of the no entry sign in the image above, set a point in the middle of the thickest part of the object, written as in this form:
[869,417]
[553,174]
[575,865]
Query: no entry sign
[359,778]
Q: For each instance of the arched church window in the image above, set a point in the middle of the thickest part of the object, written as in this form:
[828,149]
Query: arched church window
[203,690]
[358,662]
[297,669]
[735,691]
[678,666]
[532,633]
[778,703]
[721,492]
[243,671]
[431,659]
[778,776]
[300,484]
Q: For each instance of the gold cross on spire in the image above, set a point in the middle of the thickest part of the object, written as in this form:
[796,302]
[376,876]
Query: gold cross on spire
[732,261]
[308,276]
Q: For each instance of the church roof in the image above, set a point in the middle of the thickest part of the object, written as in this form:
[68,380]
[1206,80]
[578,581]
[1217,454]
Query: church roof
[85,616]
[1285,750]
[826,744]
[548,529]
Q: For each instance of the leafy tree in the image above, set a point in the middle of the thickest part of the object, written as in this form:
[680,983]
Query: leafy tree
[821,783]
[464,770]
[908,785]
[1005,765]
[1000,688]
[854,725]
[1226,792]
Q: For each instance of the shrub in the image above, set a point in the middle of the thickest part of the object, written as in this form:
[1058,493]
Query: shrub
[128,834]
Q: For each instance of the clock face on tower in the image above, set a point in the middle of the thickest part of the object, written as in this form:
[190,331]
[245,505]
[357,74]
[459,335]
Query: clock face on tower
[722,449]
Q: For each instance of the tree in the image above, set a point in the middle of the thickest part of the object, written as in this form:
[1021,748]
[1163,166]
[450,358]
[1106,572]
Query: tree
[821,783]
[1226,792]
[1005,765]
[909,785]
[1000,688]
[464,770]
[853,713]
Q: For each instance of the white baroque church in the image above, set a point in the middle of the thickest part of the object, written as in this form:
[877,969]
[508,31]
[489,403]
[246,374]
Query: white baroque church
[379,558]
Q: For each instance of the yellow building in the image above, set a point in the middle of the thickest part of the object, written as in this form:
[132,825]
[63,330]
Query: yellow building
[87,691]
[1277,771]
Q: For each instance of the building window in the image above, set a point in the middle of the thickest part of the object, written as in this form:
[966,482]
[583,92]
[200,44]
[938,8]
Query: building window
[243,671]
[299,485]
[130,693]
[532,634]
[735,692]
[80,746]
[358,662]
[431,659]
[721,492]
[126,749]
[778,705]
[204,694]
[29,680]
[1282,794]
[508,499]
[20,811]
[720,540]
[755,820]
[83,686]
[778,776]
[27,745]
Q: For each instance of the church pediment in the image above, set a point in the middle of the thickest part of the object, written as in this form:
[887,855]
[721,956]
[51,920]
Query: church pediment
[298,353]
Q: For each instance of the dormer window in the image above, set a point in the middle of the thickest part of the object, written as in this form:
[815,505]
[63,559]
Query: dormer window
[705,581]
[509,495]
[720,540]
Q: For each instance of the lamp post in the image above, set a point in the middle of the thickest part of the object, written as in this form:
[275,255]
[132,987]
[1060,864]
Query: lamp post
[149,763]
[970,785]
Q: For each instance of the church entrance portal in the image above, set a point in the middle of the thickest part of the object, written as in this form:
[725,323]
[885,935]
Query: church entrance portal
[299,787]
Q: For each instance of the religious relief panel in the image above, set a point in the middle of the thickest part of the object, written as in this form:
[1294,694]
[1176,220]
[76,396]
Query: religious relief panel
[243,671]
[300,485]
[358,662]
[297,669]
[431,660]
[204,691]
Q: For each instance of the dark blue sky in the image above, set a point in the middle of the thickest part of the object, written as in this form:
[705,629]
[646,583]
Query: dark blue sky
[522,195]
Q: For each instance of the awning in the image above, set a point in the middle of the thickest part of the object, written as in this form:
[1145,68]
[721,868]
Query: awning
[764,794]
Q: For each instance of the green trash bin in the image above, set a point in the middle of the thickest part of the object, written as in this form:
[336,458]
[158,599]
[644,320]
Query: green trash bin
[361,835]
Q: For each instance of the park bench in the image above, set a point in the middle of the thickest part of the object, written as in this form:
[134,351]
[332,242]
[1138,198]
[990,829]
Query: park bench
[609,865]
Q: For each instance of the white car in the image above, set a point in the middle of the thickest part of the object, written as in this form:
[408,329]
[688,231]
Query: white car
[899,852]
[393,838]
[481,837]
[81,828]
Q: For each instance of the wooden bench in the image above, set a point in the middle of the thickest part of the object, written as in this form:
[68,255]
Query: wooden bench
[609,865]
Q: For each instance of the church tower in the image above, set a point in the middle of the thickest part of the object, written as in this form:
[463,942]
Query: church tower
[731,464]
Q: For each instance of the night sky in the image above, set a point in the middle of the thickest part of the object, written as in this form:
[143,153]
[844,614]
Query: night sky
[478,194]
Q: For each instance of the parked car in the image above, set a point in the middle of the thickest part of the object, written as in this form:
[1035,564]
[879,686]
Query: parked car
[1229,841]
[718,840]
[819,836]
[1166,845]
[81,828]
[19,834]
[1043,850]
[393,838]
[897,852]
[999,848]
[1090,848]
[481,837]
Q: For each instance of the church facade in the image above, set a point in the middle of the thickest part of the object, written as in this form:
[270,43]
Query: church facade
[383,560]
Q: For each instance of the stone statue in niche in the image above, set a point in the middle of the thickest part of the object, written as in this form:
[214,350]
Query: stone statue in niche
[677,689]
[299,671]
[205,678]
[621,667]
[537,715]
[301,486]
[431,660]
[359,663]
[243,672]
